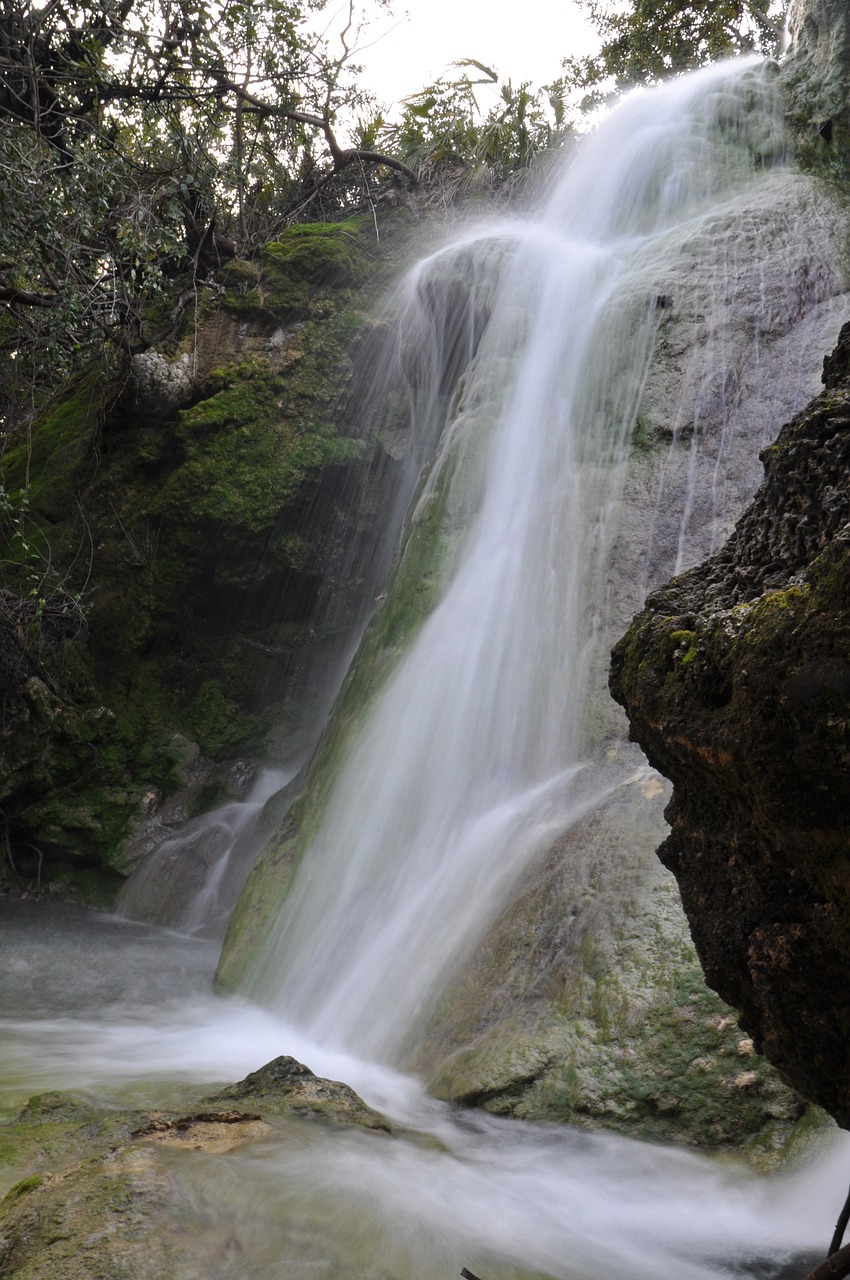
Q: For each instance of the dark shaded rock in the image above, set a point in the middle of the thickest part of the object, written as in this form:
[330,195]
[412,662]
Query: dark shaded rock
[736,680]
[281,1075]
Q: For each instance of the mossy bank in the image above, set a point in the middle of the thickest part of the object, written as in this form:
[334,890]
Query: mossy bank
[183,531]
[138,1194]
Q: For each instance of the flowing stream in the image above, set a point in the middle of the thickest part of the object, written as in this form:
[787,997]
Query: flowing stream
[124,1012]
[475,756]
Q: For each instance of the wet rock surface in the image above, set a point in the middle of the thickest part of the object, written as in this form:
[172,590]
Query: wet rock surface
[736,679]
[110,1193]
[288,1084]
[584,1002]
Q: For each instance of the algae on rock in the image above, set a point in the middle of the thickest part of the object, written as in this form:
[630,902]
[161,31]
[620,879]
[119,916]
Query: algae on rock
[114,1193]
[451,408]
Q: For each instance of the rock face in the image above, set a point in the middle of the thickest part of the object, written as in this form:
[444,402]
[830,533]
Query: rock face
[188,532]
[816,73]
[736,679]
[584,1001]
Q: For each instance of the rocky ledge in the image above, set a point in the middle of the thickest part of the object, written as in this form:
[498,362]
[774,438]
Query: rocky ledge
[736,681]
[125,1195]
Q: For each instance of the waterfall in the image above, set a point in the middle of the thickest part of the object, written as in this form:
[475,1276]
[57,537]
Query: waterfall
[525,350]
[473,758]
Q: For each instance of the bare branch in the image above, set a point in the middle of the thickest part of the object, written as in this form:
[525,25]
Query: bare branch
[836,1266]
[342,157]
[26,298]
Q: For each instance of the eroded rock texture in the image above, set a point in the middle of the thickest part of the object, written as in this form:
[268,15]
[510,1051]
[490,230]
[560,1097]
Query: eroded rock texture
[736,679]
[815,73]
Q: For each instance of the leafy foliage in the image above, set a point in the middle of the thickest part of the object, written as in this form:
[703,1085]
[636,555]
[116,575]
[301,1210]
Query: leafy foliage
[146,141]
[645,40]
[445,128]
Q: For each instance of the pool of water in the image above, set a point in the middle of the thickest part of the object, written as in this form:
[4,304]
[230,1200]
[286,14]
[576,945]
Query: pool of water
[125,1013]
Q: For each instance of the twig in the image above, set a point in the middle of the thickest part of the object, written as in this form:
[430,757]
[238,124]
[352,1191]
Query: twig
[36,849]
[840,1228]
[836,1266]
[9,857]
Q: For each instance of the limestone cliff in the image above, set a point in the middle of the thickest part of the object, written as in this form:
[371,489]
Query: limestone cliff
[736,679]
[816,73]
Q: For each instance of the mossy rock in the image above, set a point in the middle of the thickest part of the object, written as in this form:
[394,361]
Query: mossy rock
[58,446]
[322,251]
[215,721]
[192,543]
[753,732]
[247,456]
[442,509]
[112,1194]
[287,1087]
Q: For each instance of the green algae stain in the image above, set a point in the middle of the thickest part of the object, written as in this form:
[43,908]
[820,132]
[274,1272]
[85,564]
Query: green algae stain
[410,599]
[215,722]
[21,1188]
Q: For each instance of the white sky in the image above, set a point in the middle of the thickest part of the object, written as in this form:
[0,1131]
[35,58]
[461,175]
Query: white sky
[522,40]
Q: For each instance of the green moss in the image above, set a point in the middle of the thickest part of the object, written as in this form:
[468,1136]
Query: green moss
[21,1188]
[631,1040]
[185,540]
[215,721]
[321,250]
[830,160]
[57,444]
[412,596]
[250,447]
[253,919]
[685,647]
[767,610]
[307,260]
[642,437]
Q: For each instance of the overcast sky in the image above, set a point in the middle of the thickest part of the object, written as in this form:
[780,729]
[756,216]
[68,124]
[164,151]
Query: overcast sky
[525,40]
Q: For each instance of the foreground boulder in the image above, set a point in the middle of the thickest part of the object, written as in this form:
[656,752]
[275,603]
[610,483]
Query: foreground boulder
[123,1193]
[736,679]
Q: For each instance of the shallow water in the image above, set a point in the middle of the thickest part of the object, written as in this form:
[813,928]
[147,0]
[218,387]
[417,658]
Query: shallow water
[125,1012]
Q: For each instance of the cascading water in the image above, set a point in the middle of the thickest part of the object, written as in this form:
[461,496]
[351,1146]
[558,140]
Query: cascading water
[194,876]
[470,761]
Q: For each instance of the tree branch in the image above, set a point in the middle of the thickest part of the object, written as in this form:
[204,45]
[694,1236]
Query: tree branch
[26,298]
[342,157]
[840,1227]
[836,1266]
